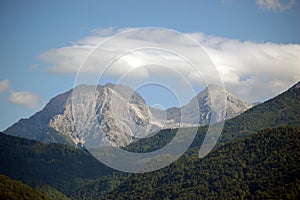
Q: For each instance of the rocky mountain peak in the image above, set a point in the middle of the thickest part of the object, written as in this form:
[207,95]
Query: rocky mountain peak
[111,115]
[114,115]
[204,101]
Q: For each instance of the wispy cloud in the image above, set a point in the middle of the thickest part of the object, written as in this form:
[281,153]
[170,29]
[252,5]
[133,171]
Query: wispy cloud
[4,85]
[33,66]
[275,5]
[23,98]
[27,99]
[253,71]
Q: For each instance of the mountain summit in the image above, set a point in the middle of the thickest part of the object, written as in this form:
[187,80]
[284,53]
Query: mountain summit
[114,115]
[110,114]
[204,100]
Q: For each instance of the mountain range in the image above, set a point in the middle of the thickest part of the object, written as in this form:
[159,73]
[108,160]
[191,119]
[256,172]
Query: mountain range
[116,115]
[257,157]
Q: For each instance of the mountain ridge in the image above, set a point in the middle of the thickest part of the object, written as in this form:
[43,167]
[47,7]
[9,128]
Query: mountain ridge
[282,110]
[112,115]
[91,181]
[203,100]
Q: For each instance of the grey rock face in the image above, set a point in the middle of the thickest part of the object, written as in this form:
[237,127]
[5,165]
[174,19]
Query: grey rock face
[111,115]
[36,127]
[115,115]
[232,106]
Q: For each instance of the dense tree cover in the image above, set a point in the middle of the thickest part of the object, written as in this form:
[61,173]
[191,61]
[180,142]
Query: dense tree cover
[153,143]
[265,165]
[16,190]
[49,192]
[11,189]
[99,187]
[62,167]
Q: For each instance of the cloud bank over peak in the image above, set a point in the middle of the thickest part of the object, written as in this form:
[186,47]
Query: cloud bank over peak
[253,71]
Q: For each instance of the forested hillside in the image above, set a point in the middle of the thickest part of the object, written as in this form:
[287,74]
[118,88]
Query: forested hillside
[265,165]
[16,190]
[60,166]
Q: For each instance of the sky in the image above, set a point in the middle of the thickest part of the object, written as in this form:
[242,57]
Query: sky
[254,46]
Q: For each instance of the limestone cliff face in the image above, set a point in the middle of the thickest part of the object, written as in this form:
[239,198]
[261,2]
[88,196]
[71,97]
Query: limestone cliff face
[104,115]
[115,115]
[37,126]
[93,116]
[200,109]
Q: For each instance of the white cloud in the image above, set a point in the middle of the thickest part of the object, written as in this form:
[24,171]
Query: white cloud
[27,99]
[4,85]
[252,71]
[275,4]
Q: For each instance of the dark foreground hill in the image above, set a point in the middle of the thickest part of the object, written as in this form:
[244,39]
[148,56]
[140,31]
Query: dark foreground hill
[265,165]
[60,166]
[16,190]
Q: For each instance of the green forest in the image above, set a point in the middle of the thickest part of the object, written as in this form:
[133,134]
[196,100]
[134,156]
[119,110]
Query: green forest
[15,190]
[265,165]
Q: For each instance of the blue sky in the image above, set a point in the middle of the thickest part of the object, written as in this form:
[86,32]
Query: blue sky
[30,29]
